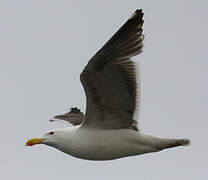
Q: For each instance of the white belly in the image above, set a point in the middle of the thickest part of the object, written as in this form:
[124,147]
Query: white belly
[106,144]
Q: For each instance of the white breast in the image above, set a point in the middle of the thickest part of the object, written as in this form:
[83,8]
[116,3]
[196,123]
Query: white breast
[103,144]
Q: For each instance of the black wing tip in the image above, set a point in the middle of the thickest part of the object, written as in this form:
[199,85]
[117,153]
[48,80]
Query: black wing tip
[137,18]
[138,14]
[139,11]
[74,110]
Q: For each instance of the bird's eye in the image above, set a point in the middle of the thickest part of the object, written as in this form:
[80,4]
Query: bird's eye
[51,133]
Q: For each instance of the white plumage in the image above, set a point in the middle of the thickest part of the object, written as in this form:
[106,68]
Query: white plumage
[108,130]
[94,144]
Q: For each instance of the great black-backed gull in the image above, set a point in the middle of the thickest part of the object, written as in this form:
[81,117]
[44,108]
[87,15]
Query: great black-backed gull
[108,130]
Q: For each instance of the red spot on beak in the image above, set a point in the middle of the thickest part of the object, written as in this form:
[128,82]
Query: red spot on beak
[29,143]
[34,141]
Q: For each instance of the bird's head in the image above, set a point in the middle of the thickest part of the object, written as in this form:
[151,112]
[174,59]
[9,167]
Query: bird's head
[50,138]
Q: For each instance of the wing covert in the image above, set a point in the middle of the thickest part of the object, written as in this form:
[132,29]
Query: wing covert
[109,79]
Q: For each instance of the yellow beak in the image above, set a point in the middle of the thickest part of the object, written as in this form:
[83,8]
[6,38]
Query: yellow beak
[34,141]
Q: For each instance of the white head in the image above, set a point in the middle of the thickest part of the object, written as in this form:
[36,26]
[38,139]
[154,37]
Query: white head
[52,138]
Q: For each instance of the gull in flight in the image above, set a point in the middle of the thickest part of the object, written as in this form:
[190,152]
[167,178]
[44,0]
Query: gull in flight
[108,130]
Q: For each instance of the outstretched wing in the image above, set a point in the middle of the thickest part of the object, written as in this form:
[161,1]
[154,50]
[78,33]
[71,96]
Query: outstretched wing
[109,79]
[75,117]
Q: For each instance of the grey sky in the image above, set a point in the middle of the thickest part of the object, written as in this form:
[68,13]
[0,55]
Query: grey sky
[44,46]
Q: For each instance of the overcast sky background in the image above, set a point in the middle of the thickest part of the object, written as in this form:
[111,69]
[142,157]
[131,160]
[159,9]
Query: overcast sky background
[45,44]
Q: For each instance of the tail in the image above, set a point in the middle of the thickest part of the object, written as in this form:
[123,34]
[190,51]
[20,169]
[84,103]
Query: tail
[170,143]
[185,142]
